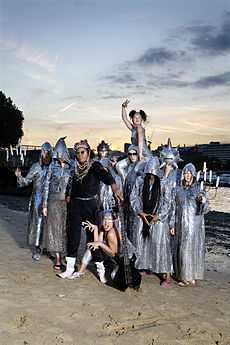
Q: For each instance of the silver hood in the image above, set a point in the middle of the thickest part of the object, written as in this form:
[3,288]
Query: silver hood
[61,151]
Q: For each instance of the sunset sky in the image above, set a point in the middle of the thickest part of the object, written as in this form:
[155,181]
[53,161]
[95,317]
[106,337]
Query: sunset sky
[68,65]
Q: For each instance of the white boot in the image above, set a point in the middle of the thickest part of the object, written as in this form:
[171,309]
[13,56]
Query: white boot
[69,268]
[101,271]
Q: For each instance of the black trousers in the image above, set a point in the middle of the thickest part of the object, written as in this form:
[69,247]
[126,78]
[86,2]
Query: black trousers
[79,211]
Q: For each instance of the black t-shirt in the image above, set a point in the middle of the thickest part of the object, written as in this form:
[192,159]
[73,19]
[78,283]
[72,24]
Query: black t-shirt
[88,186]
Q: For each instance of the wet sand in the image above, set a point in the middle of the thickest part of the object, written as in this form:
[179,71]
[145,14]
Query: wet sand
[37,308]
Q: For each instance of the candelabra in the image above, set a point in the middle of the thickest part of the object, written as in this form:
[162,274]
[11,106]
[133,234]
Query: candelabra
[17,153]
[208,184]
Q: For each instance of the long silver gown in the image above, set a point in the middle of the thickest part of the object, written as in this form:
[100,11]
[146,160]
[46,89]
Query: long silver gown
[36,175]
[55,189]
[190,232]
[154,252]
[129,214]
[55,199]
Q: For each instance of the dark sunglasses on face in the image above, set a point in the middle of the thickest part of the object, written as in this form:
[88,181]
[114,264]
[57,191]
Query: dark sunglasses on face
[132,154]
[81,152]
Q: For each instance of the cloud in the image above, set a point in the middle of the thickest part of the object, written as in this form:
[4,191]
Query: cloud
[121,78]
[71,98]
[29,55]
[211,40]
[158,56]
[112,97]
[213,80]
[67,107]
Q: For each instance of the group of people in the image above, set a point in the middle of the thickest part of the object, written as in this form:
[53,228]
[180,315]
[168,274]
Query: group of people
[89,202]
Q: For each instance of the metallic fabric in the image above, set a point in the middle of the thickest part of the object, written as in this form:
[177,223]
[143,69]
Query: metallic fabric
[54,198]
[36,175]
[134,140]
[154,252]
[190,233]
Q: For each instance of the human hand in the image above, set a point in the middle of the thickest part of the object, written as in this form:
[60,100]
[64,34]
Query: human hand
[155,219]
[45,211]
[89,226]
[144,216]
[119,196]
[93,245]
[173,231]
[201,198]
[125,103]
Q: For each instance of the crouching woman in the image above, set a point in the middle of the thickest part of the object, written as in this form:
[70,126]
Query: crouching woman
[104,247]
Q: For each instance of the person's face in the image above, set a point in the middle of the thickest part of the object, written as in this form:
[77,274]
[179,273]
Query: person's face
[137,119]
[152,177]
[107,223]
[103,153]
[46,157]
[132,156]
[188,177]
[113,161]
[82,155]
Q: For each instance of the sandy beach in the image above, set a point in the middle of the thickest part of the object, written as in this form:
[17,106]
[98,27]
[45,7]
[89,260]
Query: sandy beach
[37,308]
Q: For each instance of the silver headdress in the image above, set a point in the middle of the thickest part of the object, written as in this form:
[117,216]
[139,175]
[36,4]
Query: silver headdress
[169,154]
[61,151]
[152,166]
[133,148]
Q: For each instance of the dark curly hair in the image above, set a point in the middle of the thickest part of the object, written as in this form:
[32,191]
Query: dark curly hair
[141,112]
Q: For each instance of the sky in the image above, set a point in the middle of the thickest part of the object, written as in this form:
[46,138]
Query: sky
[69,65]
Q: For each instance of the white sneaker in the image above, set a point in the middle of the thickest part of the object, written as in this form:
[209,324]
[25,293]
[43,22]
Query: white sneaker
[76,275]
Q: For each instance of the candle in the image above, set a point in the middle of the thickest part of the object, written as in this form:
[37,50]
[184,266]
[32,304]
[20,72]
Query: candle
[205,175]
[7,155]
[210,176]
[198,176]
[11,150]
[217,181]
[202,185]
[204,166]
[22,158]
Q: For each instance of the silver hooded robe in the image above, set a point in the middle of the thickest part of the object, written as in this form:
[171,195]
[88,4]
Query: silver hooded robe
[36,175]
[154,252]
[55,199]
[190,232]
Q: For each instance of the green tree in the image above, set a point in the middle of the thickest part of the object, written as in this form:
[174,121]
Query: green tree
[11,122]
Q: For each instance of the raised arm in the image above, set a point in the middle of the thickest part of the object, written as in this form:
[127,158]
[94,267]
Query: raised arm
[124,114]
[25,181]
[140,138]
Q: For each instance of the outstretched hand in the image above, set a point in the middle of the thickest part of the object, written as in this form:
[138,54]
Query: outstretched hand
[89,226]
[125,103]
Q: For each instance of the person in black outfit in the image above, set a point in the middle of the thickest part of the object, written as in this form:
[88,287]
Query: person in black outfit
[82,195]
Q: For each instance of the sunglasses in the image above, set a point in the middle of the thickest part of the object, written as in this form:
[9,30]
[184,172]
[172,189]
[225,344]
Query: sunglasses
[132,154]
[81,152]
